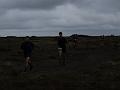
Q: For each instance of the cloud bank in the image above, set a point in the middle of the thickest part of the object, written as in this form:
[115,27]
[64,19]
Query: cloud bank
[77,16]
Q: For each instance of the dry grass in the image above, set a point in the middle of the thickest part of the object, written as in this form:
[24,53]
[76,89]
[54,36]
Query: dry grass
[89,66]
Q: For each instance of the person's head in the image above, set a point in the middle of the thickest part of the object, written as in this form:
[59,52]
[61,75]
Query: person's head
[60,34]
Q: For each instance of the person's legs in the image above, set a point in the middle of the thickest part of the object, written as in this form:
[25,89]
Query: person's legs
[60,51]
[60,54]
[63,55]
[28,63]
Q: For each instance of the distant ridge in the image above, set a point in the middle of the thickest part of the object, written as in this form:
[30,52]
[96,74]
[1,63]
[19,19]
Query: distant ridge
[77,35]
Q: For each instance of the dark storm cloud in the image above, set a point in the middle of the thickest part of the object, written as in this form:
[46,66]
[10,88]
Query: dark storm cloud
[107,5]
[30,4]
[48,4]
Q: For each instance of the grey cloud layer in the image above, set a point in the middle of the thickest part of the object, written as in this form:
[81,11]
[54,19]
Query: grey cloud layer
[60,14]
[48,4]
[30,4]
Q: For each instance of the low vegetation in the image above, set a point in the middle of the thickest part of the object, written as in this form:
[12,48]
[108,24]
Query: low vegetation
[93,64]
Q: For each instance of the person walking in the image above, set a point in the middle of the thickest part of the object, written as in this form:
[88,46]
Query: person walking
[27,47]
[61,47]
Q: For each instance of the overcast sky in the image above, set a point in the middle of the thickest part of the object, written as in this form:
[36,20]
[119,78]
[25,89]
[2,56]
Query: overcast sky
[48,17]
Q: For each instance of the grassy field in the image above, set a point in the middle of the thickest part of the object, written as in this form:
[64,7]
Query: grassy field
[94,64]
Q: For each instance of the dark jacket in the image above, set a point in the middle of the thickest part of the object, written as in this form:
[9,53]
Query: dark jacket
[27,46]
[62,42]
